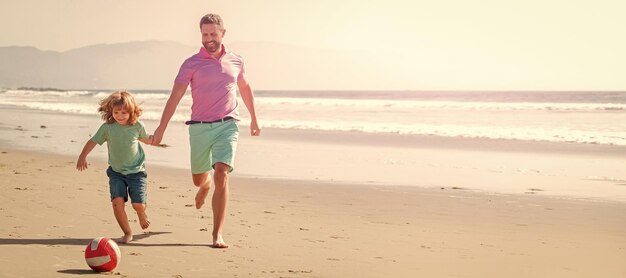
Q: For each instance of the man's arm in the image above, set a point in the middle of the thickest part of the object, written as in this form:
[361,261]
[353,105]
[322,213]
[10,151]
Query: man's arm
[248,99]
[178,91]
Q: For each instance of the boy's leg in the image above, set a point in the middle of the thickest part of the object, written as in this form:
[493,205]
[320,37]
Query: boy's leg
[203,182]
[219,201]
[141,214]
[119,195]
[137,189]
[122,218]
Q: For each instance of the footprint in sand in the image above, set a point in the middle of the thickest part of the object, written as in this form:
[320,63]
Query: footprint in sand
[300,271]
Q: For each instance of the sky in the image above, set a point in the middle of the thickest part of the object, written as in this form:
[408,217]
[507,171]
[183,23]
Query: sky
[444,44]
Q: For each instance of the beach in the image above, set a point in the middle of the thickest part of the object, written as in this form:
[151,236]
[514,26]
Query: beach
[462,185]
[280,228]
[488,142]
[320,204]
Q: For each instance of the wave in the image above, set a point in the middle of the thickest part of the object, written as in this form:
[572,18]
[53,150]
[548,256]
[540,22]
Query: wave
[580,122]
[441,105]
[55,93]
[361,103]
[464,131]
[606,137]
[74,108]
[142,96]
[87,109]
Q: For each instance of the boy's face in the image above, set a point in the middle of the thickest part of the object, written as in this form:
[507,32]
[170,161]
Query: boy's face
[120,115]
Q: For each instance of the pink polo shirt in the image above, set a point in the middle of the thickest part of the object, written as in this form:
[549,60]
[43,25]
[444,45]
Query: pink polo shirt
[213,84]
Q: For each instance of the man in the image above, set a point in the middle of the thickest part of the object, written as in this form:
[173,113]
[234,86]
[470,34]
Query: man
[213,130]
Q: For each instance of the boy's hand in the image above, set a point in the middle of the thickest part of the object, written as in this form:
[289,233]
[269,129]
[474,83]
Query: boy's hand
[81,164]
[147,141]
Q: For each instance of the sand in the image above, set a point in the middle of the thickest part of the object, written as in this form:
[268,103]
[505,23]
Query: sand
[319,204]
[291,228]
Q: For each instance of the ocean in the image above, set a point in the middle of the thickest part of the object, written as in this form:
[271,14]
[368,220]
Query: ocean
[556,143]
[573,117]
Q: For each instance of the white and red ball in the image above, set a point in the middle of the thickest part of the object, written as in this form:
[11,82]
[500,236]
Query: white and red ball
[102,254]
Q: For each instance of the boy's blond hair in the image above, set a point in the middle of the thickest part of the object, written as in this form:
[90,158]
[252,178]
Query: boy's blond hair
[119,99]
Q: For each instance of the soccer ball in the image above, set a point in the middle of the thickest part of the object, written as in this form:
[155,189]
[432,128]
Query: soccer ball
[102,254]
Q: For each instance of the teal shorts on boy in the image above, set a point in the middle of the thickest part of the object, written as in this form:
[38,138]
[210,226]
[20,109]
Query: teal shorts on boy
[133,185]
[213,143]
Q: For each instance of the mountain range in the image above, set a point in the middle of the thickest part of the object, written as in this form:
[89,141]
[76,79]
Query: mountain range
[154,64]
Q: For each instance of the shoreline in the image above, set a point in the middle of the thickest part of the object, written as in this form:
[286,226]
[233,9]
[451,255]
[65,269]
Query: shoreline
[443,142]
[389,139]
[561,170]
[50,211]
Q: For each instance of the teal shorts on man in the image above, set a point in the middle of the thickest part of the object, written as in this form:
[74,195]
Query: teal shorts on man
[213,143]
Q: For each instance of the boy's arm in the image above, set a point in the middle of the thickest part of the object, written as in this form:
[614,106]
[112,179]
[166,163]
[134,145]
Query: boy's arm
[81,164]
[248,99]
[178,91]
[147,140]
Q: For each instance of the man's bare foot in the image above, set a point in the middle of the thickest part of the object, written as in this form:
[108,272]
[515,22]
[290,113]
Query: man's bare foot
[143,220]
[201,196]
[218,242]
[125,239]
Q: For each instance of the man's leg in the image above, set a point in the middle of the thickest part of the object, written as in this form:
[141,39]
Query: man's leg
[220,199]
[203,182]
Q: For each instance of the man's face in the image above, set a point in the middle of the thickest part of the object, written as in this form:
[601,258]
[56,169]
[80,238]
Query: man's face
[212,35]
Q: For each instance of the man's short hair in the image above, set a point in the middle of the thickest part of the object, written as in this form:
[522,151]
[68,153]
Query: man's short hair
[212,19]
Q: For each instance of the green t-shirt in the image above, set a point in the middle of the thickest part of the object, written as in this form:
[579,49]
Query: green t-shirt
[125,153]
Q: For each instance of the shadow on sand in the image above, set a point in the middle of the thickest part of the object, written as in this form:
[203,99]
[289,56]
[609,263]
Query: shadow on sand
[85,241]
[78,271]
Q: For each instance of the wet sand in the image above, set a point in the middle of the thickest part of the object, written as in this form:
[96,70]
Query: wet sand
[290,228]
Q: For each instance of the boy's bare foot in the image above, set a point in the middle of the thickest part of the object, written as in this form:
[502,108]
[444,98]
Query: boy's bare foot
[125,239]
[218,242]
[143,220]
[201,196]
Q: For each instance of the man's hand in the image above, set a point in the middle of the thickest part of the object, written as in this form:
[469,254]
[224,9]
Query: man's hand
[157,136]
[254,129]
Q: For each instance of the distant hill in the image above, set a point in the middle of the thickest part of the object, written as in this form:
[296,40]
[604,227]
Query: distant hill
[154,64]
[137,65]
